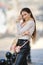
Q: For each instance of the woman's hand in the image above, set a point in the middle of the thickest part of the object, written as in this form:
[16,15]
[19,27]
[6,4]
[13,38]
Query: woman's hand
[17,49]
[25,33]
[19,18]
[13,47]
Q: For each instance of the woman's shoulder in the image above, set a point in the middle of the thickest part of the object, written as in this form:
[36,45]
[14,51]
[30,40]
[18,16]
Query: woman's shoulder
[30,22]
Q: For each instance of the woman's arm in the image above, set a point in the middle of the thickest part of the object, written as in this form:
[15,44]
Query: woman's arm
[30,30]
[19,18]
[13,45]
[26,27]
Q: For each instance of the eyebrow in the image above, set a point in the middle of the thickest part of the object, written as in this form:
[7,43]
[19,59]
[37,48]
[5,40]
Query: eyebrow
[24,14]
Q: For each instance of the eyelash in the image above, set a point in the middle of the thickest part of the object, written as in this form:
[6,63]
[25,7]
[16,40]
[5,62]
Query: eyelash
[24,14]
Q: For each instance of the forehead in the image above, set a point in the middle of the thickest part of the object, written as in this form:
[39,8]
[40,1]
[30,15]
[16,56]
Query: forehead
[24,12]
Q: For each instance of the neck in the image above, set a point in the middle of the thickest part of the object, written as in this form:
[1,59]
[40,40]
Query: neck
[28,19]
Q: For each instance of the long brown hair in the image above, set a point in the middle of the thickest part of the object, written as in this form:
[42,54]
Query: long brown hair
[29,11]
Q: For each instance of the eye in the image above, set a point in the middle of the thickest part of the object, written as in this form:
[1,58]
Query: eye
[24,15]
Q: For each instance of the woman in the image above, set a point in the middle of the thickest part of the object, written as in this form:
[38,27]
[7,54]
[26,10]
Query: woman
[26,31]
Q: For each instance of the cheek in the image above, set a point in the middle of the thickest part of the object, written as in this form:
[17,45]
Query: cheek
[25,16]
[28,15]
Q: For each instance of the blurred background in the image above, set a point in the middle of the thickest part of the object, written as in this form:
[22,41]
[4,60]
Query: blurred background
[9,11]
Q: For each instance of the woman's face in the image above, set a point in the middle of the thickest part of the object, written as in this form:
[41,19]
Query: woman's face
[25,15]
